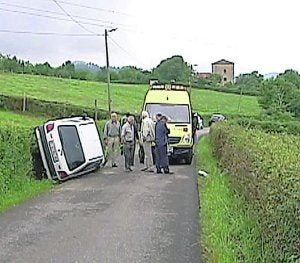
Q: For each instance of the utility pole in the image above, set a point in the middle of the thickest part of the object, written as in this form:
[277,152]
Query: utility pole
[108,73]
[107,68]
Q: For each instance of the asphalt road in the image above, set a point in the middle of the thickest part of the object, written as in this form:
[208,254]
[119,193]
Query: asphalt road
[108,216]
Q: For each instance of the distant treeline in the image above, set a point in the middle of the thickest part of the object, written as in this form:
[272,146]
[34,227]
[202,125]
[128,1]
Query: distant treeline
[276,95]
[180,71]
[68,70]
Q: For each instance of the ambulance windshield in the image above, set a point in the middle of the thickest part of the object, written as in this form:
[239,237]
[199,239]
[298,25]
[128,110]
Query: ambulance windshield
[175,113]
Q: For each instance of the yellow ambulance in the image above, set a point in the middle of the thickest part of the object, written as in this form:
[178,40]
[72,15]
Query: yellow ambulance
[173,100]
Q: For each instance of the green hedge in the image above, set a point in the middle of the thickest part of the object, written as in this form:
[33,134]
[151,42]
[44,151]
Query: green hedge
[15,157]
[48,108]
[265,169]
[231,90]
[289,127]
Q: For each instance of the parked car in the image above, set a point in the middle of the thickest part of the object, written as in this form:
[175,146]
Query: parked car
[69,147]
[216,118]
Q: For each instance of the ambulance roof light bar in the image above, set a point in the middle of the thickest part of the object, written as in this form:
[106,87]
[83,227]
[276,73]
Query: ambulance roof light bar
[172,86]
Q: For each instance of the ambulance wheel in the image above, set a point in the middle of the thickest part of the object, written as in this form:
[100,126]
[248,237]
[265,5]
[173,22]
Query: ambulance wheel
[189,158]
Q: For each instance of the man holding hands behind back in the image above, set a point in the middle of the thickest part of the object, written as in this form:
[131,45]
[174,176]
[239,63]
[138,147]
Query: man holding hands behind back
[161,144]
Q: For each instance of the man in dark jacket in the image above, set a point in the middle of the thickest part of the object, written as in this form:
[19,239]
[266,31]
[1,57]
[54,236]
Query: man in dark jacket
[136,139]
[161,145]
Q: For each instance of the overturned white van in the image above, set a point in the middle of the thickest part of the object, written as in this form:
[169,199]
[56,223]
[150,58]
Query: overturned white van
[69,147]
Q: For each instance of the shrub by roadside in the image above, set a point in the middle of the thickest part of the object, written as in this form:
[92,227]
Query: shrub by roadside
[289,127]
[16,166]
[265,169]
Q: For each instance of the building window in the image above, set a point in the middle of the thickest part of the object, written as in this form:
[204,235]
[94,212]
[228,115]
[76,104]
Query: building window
[224,70]
[224,79]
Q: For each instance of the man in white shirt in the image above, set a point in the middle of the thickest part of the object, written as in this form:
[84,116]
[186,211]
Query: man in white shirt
[148,137]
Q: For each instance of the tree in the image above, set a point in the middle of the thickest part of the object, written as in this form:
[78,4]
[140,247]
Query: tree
[291,76]
[81,74]
[174,68]
[282,94]
[210,82]
[249,81]
[66,70]
[132,74]
[43,69]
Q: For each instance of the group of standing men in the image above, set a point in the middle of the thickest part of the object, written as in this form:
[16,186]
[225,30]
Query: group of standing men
[153,134]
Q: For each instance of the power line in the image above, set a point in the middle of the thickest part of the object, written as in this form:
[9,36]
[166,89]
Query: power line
[133,31]
[94,8]
[49,17]
[57,13]
[72,18]
[48,33]
[124,50]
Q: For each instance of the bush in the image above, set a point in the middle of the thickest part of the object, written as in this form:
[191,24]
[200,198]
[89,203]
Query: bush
[270,126]
[228,89]
[264,168]
[16,163]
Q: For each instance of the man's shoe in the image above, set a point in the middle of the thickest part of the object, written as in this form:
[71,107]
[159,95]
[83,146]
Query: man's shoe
[149,170]
[114,165]
[144,169]
[168,172]
[130,169]
[127,170]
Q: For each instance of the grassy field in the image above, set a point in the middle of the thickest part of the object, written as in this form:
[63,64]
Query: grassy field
[27,120]
[125,97]
[228,232]
[8,117]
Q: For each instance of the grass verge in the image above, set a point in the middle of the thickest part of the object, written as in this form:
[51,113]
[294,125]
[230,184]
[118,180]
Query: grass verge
[30,189]
[229,232]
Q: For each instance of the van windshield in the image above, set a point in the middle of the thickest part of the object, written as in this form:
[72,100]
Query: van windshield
[176,113]
[71,146]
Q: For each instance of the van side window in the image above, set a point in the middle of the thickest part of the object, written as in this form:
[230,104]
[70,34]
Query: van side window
[71,145]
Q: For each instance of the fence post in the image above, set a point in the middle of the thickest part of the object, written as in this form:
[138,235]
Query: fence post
[24,103]
[96,111]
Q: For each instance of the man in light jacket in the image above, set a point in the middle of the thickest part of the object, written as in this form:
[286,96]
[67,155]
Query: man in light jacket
[111,136]
[148,137]
[128,140]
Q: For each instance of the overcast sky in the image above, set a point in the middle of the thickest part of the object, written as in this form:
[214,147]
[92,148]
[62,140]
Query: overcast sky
[258,35]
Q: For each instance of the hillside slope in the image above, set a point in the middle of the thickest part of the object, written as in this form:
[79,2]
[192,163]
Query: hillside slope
[125,97]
